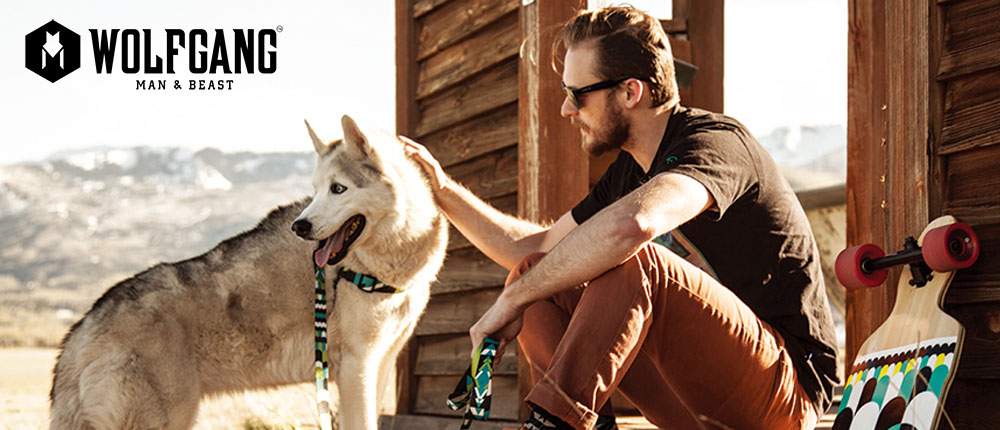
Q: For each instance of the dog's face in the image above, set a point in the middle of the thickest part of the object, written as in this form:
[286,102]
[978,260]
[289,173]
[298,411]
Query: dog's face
[353,195]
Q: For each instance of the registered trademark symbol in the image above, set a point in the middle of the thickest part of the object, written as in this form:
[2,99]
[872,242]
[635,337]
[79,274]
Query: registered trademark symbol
[280,29]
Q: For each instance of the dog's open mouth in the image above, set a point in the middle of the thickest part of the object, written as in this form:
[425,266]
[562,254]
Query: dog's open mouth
[334,248]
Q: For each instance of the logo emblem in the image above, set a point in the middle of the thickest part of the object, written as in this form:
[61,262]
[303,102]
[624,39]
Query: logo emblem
[52,51]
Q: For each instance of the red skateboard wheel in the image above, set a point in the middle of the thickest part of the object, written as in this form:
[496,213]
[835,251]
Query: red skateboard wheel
[848,267]
[951,247]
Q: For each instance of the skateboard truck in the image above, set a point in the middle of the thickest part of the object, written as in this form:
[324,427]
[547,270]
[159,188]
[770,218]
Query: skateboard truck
[947,248]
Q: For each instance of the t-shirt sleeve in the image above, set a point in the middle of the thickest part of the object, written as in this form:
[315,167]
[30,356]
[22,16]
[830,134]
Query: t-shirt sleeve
[607,190]
[718,159]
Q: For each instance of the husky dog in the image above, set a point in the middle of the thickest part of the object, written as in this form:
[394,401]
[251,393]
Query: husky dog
[240,316]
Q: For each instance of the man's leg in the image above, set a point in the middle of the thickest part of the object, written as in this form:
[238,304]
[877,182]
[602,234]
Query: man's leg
[724,365]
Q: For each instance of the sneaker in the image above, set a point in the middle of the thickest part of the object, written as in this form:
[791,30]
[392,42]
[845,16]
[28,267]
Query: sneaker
[542,420]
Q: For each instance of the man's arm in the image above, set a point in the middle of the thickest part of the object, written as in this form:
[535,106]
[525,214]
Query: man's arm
[607,239]
[503,238]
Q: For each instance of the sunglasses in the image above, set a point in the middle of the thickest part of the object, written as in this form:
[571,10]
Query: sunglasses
[574,93]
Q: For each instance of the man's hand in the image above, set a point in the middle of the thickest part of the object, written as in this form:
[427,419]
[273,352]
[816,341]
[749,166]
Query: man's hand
[502,322]
[418,152]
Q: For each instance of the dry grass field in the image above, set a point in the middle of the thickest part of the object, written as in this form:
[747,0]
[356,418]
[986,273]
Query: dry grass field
[26,376]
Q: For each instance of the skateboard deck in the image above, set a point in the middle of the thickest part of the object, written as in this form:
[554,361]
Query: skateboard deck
[901,376]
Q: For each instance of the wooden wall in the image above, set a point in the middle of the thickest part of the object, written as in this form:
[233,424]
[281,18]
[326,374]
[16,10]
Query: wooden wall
[924,98]
[457,90]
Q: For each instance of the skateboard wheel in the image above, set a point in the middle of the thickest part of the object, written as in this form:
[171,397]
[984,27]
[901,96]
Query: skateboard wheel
[848,267]
[951,247]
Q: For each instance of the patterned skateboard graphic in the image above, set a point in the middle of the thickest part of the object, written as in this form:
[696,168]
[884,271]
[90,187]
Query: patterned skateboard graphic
[897,389]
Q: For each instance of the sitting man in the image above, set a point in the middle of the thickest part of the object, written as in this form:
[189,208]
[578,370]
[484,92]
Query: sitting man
[737,335]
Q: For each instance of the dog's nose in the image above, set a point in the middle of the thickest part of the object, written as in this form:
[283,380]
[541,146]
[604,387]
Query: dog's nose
[302,227]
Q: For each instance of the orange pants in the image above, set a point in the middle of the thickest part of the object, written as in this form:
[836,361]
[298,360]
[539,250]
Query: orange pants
[682,347]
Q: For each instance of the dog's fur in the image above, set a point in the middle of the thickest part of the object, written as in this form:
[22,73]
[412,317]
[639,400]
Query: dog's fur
[240,316]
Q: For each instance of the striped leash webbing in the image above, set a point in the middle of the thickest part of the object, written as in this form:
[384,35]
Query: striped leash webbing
[322,362]
[475,388]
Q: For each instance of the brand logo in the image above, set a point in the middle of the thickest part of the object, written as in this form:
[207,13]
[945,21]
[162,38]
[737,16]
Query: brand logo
[52,51]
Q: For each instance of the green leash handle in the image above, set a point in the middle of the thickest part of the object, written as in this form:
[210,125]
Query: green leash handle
[475,389]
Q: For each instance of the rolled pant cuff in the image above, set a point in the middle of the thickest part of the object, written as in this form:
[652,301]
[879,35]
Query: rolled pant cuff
[548,397]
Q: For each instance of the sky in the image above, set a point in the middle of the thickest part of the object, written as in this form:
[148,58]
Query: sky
[785,65]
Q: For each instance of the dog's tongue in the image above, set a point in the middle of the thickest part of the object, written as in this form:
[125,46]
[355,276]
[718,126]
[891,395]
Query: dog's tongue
[332,246]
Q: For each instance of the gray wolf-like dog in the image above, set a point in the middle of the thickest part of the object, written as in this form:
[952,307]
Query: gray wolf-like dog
[240,316]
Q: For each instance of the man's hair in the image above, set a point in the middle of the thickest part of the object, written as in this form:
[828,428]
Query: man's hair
[629,43]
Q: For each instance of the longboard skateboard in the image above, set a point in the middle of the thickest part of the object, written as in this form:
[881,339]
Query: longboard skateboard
[903,371]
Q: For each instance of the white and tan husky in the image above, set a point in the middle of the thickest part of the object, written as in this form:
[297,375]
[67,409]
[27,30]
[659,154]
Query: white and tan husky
[240,316]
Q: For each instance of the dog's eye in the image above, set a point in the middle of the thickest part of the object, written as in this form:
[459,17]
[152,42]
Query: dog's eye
[337,188]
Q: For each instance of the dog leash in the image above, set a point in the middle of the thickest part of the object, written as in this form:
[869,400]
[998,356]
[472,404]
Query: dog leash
[475,392]
[322,361]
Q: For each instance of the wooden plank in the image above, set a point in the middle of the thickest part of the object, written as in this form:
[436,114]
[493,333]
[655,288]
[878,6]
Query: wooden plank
[972,178]
[457,20]
[485,133]
[706,33]
[428,422]
[971,106]
[674,25]
[406,121]
[454,313]
[971,42]
[435,389]
[495,43]
[866,161]
[422,7]
[484,92]
[468,269]
[506,204]
[972,403]
[822,197]
[492,175]
[448,355]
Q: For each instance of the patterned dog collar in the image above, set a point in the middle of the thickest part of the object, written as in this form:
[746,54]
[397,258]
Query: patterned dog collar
[366,283]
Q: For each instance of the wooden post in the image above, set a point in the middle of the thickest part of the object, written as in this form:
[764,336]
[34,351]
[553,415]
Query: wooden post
[406,124]
[552,168]
[705,26]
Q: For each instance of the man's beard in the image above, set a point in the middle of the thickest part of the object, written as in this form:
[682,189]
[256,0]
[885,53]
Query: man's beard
[611,137]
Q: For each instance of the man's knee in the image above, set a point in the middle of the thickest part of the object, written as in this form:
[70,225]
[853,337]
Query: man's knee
[523,266]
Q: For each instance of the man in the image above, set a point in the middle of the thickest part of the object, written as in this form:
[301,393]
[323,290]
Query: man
[599,302]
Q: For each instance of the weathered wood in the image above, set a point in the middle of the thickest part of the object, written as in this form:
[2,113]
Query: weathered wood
[489,176]
[675,25]
[706,33]
[483,92]
[435,389]
[477,136]
[457,20]
[866,161]
[971,42]
[427,422]
[454,313]
[448,355]
[468,269]
[492,45]
[971,107]
[822,197]
[982,339]
[972,177]
[406,121]
[972,404]
[421,7]
[552,165]
[506,204]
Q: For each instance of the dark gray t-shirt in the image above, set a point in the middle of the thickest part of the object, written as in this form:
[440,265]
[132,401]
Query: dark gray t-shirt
[755,239]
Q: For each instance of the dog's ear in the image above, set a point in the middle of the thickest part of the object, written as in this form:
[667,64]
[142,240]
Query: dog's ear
[354,137]
[321,148]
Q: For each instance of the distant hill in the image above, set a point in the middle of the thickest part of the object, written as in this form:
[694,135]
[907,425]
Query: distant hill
[73,225]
